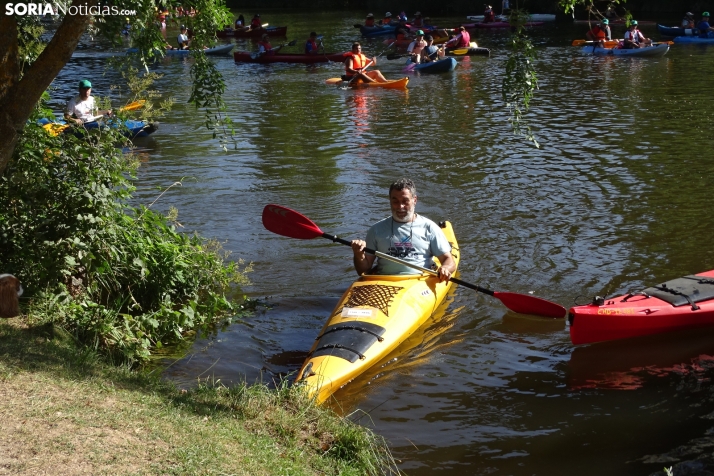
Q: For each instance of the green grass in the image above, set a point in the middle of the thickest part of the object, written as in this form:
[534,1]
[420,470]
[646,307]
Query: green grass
[65,411]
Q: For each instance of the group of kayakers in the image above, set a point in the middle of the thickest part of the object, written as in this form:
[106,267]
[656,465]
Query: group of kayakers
[633,37]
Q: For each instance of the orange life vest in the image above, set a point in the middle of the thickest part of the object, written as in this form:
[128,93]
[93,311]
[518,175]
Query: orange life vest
[358,62]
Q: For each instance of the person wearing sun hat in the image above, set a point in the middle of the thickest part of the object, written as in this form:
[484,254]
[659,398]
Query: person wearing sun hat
[369,21]
[634,38]
[418,21]
[688,20]
[705,29]
[416,46]
[81,108]
[600,32]
[387,19]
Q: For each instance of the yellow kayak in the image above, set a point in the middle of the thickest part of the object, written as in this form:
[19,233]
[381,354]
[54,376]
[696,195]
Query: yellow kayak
[374,316]
[391,84]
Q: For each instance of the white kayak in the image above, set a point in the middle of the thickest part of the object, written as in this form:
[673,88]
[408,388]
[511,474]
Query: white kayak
[215,51]
[655,50]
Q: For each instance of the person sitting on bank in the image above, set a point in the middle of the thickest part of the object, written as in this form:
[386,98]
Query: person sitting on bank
[431,52]
[369,21]
[182,38]
[357,63]
[416,46]
[81,108]
[406,235]
[265,48]
[705,29]
[461,40]
[634,38]
[600,32]
[688,20]
[313,44]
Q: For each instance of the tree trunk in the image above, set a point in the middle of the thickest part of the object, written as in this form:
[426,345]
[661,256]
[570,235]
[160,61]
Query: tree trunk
[19,95]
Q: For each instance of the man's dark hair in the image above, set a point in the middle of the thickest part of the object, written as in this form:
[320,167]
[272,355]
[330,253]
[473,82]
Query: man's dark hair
[401,184]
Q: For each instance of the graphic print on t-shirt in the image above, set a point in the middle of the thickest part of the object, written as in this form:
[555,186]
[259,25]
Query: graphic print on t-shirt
[401,248]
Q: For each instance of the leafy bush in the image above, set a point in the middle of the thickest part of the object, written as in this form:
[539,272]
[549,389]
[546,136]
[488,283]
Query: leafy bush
[118,277]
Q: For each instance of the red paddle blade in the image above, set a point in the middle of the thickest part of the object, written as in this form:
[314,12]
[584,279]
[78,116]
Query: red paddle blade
[525,304]
[286,222]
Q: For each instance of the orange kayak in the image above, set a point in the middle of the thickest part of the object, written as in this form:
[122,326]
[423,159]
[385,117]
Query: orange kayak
[394,84]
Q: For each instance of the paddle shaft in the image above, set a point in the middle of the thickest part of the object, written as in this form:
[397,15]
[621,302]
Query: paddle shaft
[394,259]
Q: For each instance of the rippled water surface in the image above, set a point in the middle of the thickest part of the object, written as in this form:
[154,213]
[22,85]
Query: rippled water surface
[617,197]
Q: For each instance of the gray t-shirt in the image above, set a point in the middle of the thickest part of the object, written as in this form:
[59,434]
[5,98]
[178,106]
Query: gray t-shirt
[416,242]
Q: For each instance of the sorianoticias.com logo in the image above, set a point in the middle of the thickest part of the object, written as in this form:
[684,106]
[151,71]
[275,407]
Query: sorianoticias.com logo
[63,8]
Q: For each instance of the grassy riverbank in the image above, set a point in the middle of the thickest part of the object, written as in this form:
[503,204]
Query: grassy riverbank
[64,411]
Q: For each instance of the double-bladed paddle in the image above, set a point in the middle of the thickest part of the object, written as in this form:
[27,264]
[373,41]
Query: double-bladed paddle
[286,222]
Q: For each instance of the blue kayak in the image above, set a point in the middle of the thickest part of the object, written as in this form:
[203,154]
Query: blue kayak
[656,50]
[370,31]
[676,31]
[133,128]
[442,66]
[693,39]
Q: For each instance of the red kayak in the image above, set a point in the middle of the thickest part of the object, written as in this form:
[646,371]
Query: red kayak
[256,33]
[682,303]
[248,57]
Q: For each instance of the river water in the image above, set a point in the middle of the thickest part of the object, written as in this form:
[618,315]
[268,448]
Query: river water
[618,197]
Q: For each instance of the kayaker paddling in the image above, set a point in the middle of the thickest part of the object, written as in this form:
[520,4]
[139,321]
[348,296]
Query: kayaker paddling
[81,108]
[705,29]
[406,235]
[430,52]
[357,63]
[416,46]
[688,20]
[369,21]
[600,32]
[461,40]
[634,38]
[182,38]
[265,48]
[313,44]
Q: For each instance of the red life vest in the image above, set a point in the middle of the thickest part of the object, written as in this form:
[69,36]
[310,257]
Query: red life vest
[266,45]
[255,23]
[464,40]
[598,32]
[369,22]
[358,62]
[313,47]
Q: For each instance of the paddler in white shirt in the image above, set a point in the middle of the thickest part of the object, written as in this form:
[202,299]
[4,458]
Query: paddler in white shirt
[81,108]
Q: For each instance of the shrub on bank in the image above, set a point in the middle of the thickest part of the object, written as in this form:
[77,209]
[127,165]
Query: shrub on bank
[120,278]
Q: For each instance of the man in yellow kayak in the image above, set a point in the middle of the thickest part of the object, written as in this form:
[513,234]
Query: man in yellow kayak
[405,235]
[356,64]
